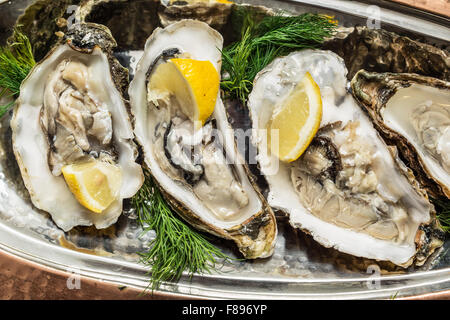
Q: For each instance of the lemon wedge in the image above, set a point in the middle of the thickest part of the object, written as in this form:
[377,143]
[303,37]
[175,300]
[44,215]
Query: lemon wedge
[295,121]
[94,184]
[194,83]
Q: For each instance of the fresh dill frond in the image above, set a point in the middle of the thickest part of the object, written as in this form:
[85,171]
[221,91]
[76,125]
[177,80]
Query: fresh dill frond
[177,247]
[16,61]
[262,42]
[443,213]
[234,62]
[394,296]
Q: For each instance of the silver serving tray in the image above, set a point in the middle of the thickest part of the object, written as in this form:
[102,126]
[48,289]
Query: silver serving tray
[299,268]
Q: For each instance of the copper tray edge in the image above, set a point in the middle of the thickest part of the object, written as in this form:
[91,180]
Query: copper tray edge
[22,279]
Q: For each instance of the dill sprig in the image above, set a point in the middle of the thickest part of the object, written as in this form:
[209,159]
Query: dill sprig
[177,247]
[443,213]
[16,61]
[262,42]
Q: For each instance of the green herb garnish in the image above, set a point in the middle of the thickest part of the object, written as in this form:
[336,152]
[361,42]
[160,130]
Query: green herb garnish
[443,213]
[177,247]
[16,61]
[260,43]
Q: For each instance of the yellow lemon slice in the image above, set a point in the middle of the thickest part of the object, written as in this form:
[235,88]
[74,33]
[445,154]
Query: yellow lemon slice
[94,184]
[295,121]
[194,83]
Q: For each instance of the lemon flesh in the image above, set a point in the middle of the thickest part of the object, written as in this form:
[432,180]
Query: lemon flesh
[96,185]
[194,83]
[295,121]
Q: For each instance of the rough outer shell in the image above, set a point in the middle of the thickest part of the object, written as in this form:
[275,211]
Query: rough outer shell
[30,145]
[372,91]
[378,50]
[215,14]
[255,236]
[41,20]
[224,17]
[130,21]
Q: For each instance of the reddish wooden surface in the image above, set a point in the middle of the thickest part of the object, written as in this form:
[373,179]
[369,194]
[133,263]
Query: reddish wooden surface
[24,280]
[441,7]
[444,295]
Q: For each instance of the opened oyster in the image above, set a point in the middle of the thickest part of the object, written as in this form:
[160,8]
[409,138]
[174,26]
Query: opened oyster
[412,112]
[348,189]
[199,170]
[70,111]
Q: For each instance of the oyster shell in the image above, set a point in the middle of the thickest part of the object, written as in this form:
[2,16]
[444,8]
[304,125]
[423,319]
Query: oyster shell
[210,189]
[349,190]
[71,109]
[130,21]
[214,13]
[225,16]
[378,50]
[40,22]
[411,112]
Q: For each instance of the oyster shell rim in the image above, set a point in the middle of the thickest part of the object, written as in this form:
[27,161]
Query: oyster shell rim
[422,240]
[68,46]
[389,83]
[238,233]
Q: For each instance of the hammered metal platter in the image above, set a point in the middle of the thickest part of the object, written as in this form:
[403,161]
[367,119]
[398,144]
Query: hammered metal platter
[299,268]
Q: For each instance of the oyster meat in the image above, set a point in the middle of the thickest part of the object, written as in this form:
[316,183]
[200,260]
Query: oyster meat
[412,112]
[349,190]
[199,171]
[70,110]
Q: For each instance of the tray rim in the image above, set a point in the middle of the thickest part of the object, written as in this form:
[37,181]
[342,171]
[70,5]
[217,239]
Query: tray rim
[131,274]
